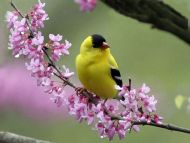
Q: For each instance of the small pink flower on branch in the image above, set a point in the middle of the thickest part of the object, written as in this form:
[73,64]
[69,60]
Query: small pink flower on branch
[86,5]
[66,73]
[56,38]
[22,43]
[11,18]
[58,49]
[38,39]
[38,16]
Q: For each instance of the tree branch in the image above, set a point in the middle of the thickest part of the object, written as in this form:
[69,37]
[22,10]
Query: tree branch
[7,137]
[115,117]
[154,12]
[15,7]
[164,126]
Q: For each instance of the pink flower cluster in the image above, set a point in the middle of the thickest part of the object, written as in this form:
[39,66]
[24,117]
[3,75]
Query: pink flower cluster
[118,116]
[27,40]
[58,49]
[86,5]
[38,16]
[109,117]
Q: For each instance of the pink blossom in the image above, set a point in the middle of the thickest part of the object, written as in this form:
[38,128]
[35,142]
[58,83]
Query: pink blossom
[149,103]
[46,81]
[86,5]
[130,101]
[121,134]
[67,45]
[144,89]
[121,129]
[38,16]
[18,38]
[81,111]
[38,39]
[58,97]
[158,119]
[136,128]
[66,73]
[56,38]
[111,131]
[35,65]
[35,52]
[11,18]
[101,128]
[20,26]
[90,117]
[60,49]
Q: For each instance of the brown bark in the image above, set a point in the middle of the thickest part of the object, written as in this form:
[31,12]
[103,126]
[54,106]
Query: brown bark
[155,12]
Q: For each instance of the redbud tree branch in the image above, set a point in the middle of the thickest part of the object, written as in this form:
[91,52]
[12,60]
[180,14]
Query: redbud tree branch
[154,12]
[7,137]
[164,126]
[114,117]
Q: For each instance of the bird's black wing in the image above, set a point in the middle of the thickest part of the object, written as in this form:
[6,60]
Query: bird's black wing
[116,76]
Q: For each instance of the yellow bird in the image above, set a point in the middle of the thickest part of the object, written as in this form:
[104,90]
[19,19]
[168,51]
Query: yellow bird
[97,68]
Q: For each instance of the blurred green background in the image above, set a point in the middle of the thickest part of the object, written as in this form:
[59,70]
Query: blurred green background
[147,55]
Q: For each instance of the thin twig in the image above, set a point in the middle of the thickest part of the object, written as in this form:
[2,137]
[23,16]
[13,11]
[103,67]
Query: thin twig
[27,22]
[58,71]
[59,75]
[15,7]
[164,126]
[129,86]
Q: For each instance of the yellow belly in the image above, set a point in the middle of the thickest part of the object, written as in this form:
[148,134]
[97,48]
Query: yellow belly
[96,77]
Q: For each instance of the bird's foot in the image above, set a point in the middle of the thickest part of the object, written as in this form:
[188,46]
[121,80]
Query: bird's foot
[80,90]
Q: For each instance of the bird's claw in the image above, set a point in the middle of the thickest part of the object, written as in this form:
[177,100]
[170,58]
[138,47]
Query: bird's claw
[80,90]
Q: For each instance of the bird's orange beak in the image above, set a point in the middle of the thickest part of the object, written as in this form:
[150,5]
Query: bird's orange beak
[105,45]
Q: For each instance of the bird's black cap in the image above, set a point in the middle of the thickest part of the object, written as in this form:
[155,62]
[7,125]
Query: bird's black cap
[97,40]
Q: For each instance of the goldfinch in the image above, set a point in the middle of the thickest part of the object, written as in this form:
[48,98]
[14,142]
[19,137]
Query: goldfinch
[96,67]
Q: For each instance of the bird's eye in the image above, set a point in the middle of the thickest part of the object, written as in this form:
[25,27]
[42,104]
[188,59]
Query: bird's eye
[97,40]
